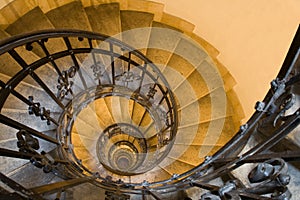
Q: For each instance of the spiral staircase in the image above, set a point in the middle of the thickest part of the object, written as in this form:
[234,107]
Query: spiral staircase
[119,100]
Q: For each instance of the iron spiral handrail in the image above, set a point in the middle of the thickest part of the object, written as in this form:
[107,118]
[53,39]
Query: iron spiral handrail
[221,163]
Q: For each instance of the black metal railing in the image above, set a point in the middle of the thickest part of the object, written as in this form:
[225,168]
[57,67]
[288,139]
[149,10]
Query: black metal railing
[74,91]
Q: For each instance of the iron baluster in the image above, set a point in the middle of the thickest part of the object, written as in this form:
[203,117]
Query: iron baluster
[49,56]
[48,91]
[37,110]
[65,85]
[112,60]
[69,46]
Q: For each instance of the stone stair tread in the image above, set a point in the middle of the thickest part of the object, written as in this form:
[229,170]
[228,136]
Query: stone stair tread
[182,161]
[174,166]
[9,66]
[133,34]
[147,6]
[156,174]
[3,34]
[32,121]
[31,21]
[85,129]
[188,154]
[212,106]
[82,153]
[71,15]
[177,22]
[105,18]
[162,43]
[77,139]
[27,90]
[13,10]
[126,105]
[7,165]
[89,116]
[103,112]
[23,175]
[203,133]
[89,3]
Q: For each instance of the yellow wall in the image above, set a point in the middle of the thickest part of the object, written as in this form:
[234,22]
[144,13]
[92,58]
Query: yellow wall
[253,37]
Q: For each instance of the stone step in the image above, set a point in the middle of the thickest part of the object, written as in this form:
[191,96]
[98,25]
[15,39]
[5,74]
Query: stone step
[7,164]
[175,166]
[83,153]
[177,22]
[85,129]
[32,121]
[212,106]
[103,112]
[23,175]
[3,34]
[89,3]
[105,18]
[191,154]
[156,174]
[207,133]
[162,43]
[126,109]
[71,15]
[155,8]
[9,141]
[89,115]
[29,90]
[14,10]
[80,141]
[31,21]
[135,29]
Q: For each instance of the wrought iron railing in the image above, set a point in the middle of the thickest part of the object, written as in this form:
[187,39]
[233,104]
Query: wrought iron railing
[269,179]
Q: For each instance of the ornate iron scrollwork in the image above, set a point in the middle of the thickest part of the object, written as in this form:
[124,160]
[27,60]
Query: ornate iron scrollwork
[28,144]
[65,85]
[128,76]
[98,70]
[37,110]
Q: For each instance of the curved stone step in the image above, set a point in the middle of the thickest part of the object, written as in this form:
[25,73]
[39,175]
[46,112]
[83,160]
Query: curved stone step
[31,21]
[156,174]
[162,43]
[25,89]
[14,10]
[8,165]
[212,106]
[71,15]
[105,18]
[32,121]
[133,34]
[177,22]
[155,8]
[91,131]
[103,112]
[89,115]
[175,166]
[205,134]
[3,34]
[81,141]
[88,3]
